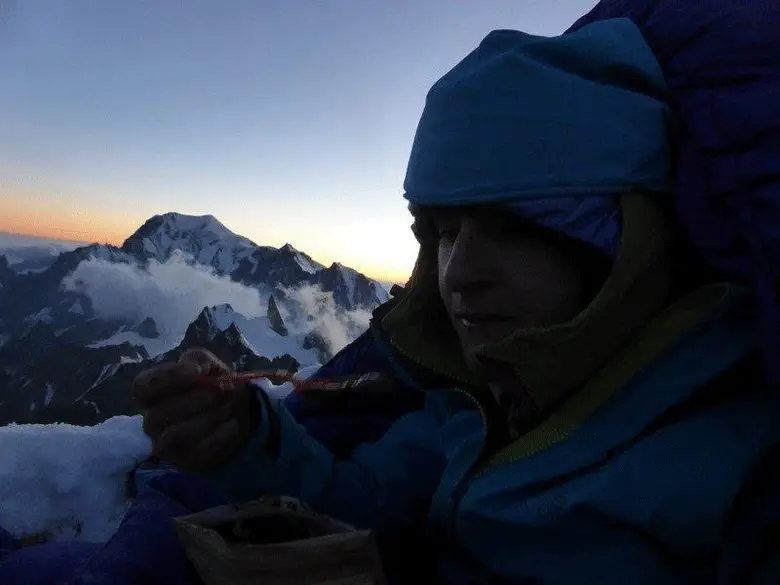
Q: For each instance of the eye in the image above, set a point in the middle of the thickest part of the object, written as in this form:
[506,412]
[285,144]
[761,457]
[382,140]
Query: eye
[448,230]
[446,224]
[505,228]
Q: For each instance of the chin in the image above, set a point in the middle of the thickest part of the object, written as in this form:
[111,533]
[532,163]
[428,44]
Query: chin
[477,336]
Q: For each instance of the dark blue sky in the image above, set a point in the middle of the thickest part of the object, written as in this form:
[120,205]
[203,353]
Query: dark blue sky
[289,120]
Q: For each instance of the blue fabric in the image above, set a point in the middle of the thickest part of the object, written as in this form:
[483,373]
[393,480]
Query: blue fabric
[146,472]
[44,564]
[643,492]
[595,220]
[720,60]
[145,548]
[556,127]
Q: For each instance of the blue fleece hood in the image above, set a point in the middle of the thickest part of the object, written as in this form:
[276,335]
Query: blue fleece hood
[555,128]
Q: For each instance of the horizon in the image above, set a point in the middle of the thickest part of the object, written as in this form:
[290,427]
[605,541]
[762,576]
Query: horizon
[28,237]
[26,240]
[289,123]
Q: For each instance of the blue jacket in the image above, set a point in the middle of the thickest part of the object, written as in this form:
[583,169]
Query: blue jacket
[660,471]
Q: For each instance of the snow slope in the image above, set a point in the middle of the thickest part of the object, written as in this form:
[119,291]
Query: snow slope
[350,279]
[153,347]
[68,481]
[259,336]
[306,263]
[203,238]
[257,333]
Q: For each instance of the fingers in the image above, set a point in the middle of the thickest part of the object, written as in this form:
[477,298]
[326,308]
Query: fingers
[210,365]
[217,448]
[182,407]
[192,426]
[183,434]
[183,442]
[162,382]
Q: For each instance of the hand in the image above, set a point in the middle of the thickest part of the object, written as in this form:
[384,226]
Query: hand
[194,427]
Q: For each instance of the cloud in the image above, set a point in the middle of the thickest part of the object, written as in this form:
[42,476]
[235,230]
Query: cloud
[173,293]
[19,249]
[309,308]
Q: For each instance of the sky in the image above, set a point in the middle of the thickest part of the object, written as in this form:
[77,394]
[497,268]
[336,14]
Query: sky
[288,120]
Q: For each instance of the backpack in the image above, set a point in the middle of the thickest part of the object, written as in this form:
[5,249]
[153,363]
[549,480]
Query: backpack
[721,60]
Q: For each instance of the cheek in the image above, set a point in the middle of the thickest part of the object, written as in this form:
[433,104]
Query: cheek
[548,287]
[559,289]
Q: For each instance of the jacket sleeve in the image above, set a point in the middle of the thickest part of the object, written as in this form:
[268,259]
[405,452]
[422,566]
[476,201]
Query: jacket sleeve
[371,489]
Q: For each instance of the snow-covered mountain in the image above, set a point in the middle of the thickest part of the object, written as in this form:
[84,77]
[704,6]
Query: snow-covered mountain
[6,274]
[47,379]
[257,334]
[205,241]
[203,238]
[61,360]
[26,254]
[208,242]
[349,287]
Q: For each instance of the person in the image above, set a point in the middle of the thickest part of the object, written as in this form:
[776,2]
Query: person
[605,418]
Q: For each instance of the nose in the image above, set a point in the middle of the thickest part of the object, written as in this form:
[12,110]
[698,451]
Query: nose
[470,257]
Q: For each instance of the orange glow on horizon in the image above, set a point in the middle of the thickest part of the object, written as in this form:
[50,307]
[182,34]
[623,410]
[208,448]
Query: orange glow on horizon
[67,236]
[62,228]
[87,234]
[29,212]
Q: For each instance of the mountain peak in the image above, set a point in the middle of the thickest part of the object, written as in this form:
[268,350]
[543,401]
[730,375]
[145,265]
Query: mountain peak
[173,222]
[275,318]
[202,237]
[304,261]
[203,329]
[6,273]
[218,317]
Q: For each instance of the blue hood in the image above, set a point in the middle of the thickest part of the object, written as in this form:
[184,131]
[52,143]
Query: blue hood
[568,122]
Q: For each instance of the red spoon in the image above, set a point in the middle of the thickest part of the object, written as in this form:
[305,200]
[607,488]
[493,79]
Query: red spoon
[226,381]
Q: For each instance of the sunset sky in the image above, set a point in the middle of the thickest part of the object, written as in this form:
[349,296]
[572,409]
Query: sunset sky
[290,121]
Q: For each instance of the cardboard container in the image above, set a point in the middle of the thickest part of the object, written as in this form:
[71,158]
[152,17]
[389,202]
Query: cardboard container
[277,541]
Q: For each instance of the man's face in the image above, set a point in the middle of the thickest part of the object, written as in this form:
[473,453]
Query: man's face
[496,278]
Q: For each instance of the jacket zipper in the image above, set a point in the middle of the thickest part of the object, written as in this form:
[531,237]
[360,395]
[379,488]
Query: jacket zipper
[471,473]
[465,481]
